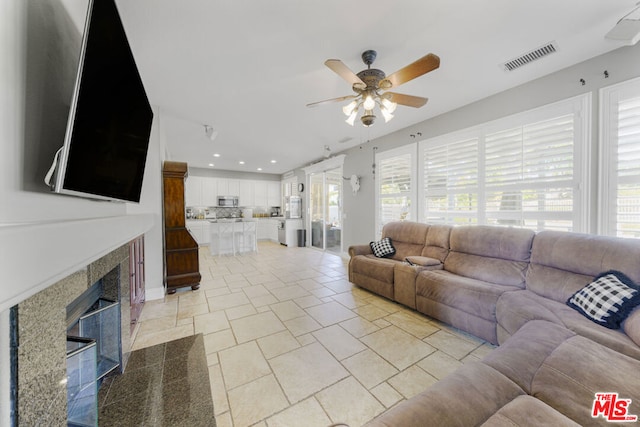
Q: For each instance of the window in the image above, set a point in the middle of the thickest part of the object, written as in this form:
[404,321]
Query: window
[620,160]
[526,170]
[395,186]
[450,173]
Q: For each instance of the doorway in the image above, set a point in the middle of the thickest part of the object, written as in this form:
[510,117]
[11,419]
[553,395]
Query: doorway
[325,213]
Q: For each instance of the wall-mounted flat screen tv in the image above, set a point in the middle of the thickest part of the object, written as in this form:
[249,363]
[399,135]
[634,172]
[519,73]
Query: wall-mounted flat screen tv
[109,124]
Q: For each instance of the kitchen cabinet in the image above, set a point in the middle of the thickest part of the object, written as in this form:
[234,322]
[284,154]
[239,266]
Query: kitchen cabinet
[233,187]
[204,191]
[268,229]
[273,193]
[209,192]
[223,187]
[260,193]
[193,191]
[200,231]
[245,192]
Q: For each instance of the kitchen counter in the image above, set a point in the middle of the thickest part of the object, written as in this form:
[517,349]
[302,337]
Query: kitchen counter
[233,236]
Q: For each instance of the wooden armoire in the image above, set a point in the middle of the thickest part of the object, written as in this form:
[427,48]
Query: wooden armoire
[182,267]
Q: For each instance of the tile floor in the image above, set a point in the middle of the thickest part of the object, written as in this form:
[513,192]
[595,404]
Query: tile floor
[289,338]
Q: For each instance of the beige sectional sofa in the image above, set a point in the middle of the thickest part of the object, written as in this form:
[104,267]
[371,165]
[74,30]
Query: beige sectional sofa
[510,286]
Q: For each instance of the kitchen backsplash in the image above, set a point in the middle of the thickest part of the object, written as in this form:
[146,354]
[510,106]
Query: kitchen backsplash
[201,212]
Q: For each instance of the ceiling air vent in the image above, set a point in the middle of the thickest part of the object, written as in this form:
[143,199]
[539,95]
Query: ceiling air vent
[530,56]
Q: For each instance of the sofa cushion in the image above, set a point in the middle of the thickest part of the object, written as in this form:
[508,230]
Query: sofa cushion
[467,397]
[528,411]
[472,296]
[516,309]
[631,326]
[370,266]
[408,238]
[562,263]
[437,243]
[579,368]
[565,370]
[608,300]
[383,248]
[493,254]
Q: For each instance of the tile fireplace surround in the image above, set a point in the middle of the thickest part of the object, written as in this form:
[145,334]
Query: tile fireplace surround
[41,337]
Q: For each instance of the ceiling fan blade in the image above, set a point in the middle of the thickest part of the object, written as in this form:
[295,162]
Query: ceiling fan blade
[422,66]
[408,100]
[328,101]
[345,72]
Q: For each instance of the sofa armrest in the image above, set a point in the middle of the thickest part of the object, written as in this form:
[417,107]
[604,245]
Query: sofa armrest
[359,250]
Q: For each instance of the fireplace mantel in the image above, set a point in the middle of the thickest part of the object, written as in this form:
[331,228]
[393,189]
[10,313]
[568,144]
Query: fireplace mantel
[34,256]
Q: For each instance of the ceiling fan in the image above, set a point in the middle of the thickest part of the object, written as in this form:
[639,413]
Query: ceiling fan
[371,87]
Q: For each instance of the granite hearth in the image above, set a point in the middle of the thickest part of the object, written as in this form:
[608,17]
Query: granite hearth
[39,338]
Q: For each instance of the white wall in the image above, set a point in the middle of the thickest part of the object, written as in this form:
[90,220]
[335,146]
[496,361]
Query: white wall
[621,64]
[33,221]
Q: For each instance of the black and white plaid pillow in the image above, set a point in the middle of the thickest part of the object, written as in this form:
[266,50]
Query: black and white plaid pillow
[607,300]
[383,248]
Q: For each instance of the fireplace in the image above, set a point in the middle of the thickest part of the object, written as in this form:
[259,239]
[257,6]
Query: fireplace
[53,333]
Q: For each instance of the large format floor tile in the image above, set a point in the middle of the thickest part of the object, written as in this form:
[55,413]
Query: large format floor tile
[289,341]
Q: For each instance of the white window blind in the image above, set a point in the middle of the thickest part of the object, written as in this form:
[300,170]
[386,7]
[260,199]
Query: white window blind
[529,175]
[524,170]
[620,160]
[450,173]
[395,186]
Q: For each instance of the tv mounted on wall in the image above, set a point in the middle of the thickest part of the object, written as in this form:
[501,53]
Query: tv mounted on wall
[109,124]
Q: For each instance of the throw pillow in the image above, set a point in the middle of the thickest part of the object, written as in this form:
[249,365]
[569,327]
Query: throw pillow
[383,248]
[608,300]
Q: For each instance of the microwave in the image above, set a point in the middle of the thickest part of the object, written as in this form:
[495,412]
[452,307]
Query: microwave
[228,201]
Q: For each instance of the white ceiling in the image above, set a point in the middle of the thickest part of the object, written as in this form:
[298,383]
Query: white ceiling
[248,68]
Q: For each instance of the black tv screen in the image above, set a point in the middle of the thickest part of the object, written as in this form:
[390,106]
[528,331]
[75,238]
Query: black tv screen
[109,125]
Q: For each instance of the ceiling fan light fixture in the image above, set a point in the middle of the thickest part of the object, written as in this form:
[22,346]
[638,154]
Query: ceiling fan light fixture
[351,119]
[368,103]
[386,114]
[349,108]
[368,118]
[388,105]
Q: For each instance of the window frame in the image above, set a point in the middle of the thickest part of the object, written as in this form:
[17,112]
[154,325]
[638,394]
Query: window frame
[410,149]
[579,106]
[610,97]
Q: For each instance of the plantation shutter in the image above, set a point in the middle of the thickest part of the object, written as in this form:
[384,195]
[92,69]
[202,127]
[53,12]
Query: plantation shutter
[529,175]
[395,186]
[450,172]
[621,160]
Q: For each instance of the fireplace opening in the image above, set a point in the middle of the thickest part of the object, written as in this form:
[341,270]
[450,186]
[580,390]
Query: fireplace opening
[93,350]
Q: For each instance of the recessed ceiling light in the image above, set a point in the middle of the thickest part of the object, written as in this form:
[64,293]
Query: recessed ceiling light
[259,169]
[211,164]
[241,162]
[273,161]
[216,155]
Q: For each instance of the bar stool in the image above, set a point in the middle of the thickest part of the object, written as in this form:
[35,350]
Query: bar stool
[226,243]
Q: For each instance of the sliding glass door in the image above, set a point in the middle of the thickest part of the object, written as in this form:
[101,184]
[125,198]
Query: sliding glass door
[326,209]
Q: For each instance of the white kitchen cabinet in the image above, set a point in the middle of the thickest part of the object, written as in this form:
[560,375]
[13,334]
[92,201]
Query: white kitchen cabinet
[200,231]
[195,228]
[209,192]
[260,193]
[245,192]
[233,187]
[223,187]
[268,229]
[193,191]
[273,193]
